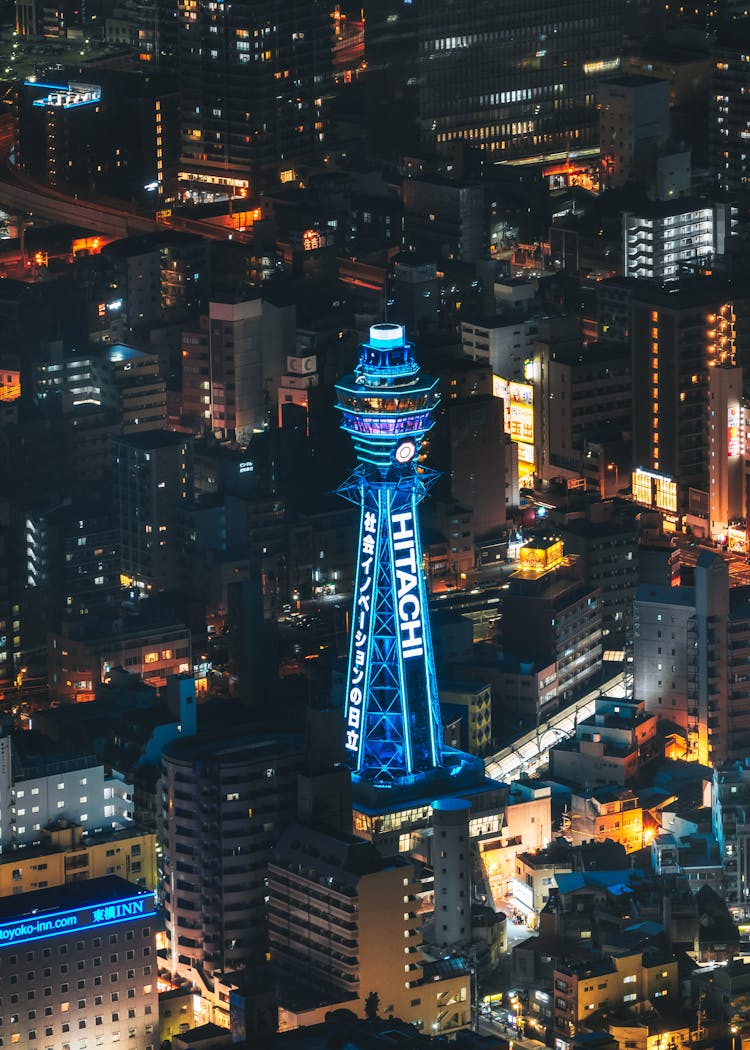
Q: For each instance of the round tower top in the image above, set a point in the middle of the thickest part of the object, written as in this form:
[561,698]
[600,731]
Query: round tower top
[383,336]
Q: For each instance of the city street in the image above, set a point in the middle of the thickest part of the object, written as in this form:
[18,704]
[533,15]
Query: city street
[489,1026]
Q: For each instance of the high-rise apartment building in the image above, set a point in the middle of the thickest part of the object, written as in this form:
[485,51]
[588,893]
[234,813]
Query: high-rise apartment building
[684,346]
[224,802]
[254,74]
[116,136]
[117,378]
[729,101]
[222,368]
[517,79]
[11,587]
[153,477]
[691,660]
[659,239]
[445,220]
[606,545]
[148,27]
[148,279]
[72,558]
[414,292]
[730,821]
[478,479]
[451,865]
[633,122]
[551,618]
[344,923]
[581,394]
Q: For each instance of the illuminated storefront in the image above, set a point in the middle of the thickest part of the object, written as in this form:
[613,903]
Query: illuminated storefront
[655,490]
[518,399]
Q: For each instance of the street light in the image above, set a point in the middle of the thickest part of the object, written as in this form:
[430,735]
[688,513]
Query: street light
[517,1007]
[736,1033]
[613,466]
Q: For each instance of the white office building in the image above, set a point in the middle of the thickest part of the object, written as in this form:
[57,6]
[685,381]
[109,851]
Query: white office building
[505,341]
[36,790]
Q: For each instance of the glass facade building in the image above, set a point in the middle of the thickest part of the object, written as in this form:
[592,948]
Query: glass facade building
[517,78]
[253,75]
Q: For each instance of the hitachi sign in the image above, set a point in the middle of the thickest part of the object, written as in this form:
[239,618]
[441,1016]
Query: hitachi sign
[407,584]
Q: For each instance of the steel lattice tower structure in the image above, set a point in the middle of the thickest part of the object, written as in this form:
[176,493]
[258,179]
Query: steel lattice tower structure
[393,730]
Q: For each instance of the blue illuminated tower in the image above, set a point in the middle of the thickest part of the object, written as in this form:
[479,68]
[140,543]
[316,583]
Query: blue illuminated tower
[393,729]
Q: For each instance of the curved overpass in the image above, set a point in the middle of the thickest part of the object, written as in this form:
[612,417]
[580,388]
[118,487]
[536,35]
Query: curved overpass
[18,197]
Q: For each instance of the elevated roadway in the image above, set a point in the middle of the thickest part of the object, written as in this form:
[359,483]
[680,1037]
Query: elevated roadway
[21,195]
[17,197]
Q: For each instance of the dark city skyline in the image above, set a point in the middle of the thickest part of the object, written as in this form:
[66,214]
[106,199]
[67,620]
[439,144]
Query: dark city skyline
[374,552]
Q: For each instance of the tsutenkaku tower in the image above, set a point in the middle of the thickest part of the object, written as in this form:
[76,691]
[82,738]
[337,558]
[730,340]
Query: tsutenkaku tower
[393,731]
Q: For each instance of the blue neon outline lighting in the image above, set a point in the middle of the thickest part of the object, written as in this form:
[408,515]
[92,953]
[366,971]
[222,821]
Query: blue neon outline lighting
[435,723]
[371,629]
[75,929]
[56,915]
[399,647]
[381,415]
[350,662]
[60,87]
[68,105]
[41,84]
[400,725]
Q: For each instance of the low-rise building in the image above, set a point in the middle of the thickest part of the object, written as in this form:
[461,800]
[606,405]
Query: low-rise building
[527,826]
[535,876]
[726,988]
[610,747]
[651,1029]
[585,989]
[67,855]
[610,813]
[85,652]
[41,786]
[474,700]
[528,813]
